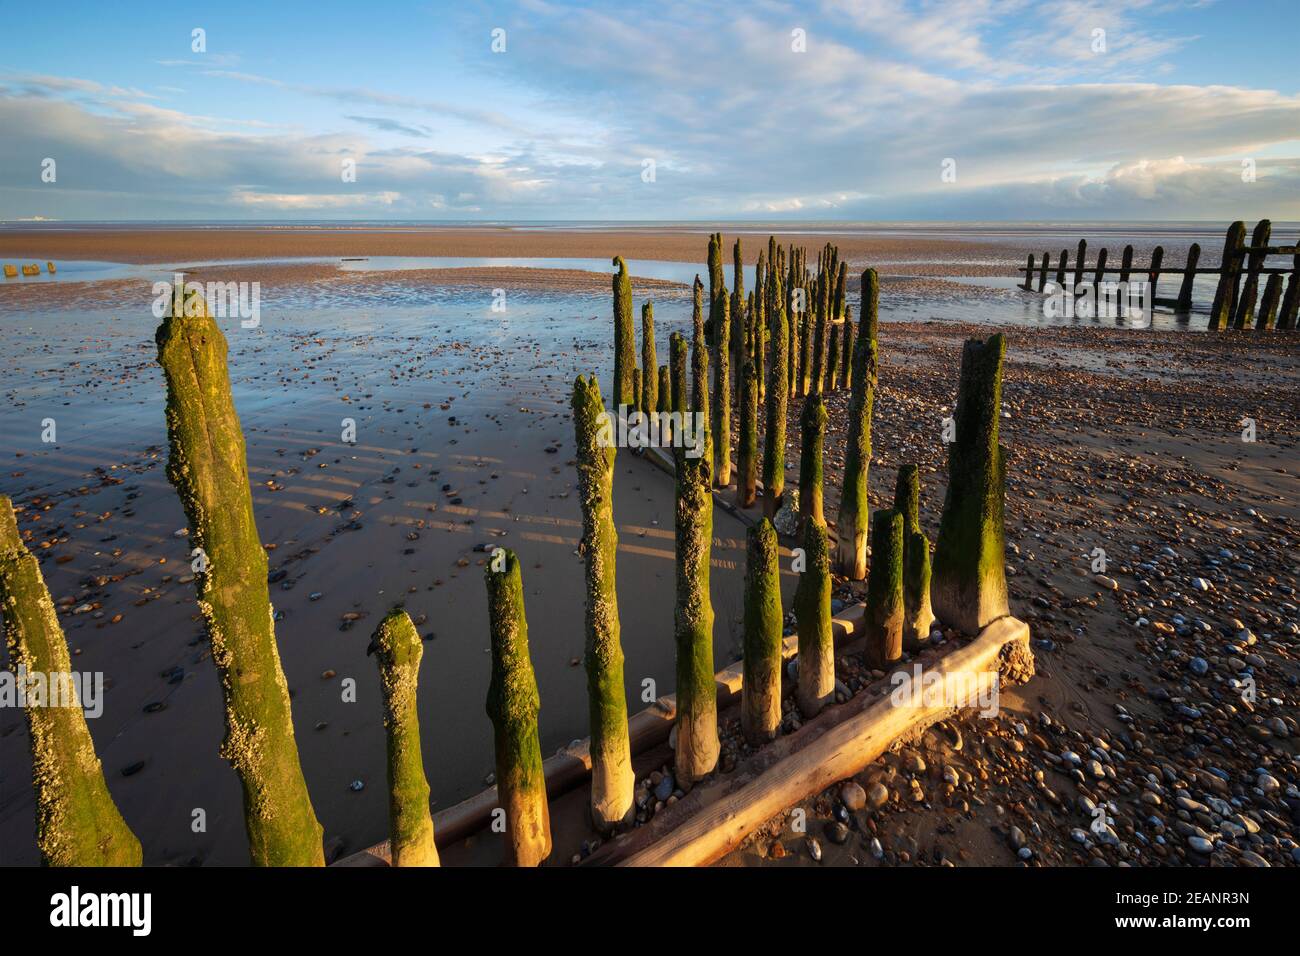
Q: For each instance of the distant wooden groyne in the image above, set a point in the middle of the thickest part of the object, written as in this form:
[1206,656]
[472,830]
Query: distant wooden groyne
[1238,302]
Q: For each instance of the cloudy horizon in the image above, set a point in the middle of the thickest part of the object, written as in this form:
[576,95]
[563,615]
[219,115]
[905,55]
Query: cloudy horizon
[866,110]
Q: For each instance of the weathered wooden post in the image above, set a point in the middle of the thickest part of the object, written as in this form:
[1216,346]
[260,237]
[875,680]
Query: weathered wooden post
[1225,295]
[1126,264]
[760,704]
[1027,285]
[665,406]
[1184,300]
[624,337]
[513,705]
[833,359]
[812,431]
[1042,274]
[1250,289]
[1100,276]
[885,591]
[747,443]
[77,823]
[398,649]
[851,524]
[612,779]
[1153,274]
[778,394]
[812,608]
[636,391]
[720,415]
[1061,264]
[917,616]
[649,361]
[208,468]
[821,334]
[1287,314]
[1268,304]
[697,702]
[846,346]
[697,316]
[1078,264]
[739,318]
[969,588]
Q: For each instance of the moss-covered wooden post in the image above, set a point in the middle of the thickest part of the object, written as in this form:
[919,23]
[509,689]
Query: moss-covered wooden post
[851,525]
[812,609]
[513,705]
[624,337]
[697,703]
[77,823]
[776,401]
[209,470]
[1268,303]
[917,616]
[760,706]
[635,404]
[833,359]
[1290,308]
[739,318]
[846,346]
[885,590]
[720,414]
[649,361]
[665,405]
[747,445]
[612,779]
[1255,262]
[812,428]
[697,314]
[1225,293]
[968,589]
[397,649]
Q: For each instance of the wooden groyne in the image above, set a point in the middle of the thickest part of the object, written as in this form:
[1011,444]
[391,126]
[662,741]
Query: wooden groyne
[1240,301]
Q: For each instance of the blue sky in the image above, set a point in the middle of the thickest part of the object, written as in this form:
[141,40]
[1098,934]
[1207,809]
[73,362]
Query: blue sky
[1056,109]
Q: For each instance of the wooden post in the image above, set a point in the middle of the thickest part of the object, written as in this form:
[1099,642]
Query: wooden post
[1078,264]
[1126,264]
[1153,276]
[1042,275]
[512,705]
[1268,304]
[1250,291]
[760,701]
[1060,267]
[1100,276]
[1029,275]
[885,590]
[1286,317]
[812,610]
[1225,296]
[1184,303]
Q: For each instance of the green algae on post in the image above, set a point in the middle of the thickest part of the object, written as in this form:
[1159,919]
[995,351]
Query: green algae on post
[851,525]
[813,433]
[77,822]
[812,609]
[720,414]
[885,591]
[612,779]
[397,649]
[624,336]
[917,616]
[697,702]
[968,588]
[649,361]
[747,445]
[760,703]
[778,395]
[513,705]
[208,468]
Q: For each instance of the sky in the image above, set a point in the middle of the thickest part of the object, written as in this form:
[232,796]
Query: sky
[863,110]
